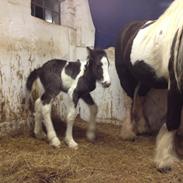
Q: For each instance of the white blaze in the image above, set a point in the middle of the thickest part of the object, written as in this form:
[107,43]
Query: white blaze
[105,68]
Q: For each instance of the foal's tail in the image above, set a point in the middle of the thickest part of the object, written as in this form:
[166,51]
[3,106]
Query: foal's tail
[31,78]
[29,83]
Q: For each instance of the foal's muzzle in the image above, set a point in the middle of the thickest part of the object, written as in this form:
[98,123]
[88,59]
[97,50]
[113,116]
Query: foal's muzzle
[106,84]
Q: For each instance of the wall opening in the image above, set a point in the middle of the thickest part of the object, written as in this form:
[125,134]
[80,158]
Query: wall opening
[48,10]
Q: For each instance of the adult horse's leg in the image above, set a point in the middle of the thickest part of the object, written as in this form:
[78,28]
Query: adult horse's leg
[138,117]
[92,121]
[134,121]
[165,152]
[38,130]
[128,83]
[127,126]
[45,103]
[71,116]
[124,70]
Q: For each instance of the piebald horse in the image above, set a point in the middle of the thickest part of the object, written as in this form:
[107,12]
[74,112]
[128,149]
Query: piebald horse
[77,79]
[149,54]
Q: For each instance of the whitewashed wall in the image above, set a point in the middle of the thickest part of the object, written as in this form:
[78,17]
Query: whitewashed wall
[76,14]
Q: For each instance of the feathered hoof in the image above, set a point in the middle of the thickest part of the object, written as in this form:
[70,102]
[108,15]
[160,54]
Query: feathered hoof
[90,135]
[128,135]
[165,165]
[143,130]
[40,135]
[164,169]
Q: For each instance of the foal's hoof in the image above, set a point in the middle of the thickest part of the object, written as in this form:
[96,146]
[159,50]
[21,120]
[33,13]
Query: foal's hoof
[71,144]
[164,165]
[55,142]
[90,136]
[40,136]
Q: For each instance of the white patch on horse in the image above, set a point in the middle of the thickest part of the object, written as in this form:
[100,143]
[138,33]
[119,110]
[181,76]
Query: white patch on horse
[146,47]
[52,137]
[38,130]
[105,68]
[75,82]
[92,122]
[38,87]
[152,44]
[165,152]
[69,140]
[66,79]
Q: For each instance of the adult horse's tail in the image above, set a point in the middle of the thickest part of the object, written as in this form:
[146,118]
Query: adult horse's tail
[178,48]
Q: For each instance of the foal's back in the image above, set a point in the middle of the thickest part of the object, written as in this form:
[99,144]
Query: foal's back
[53,66]
[58,75]
[50,75]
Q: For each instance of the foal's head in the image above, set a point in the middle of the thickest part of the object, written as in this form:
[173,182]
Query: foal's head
[100,66]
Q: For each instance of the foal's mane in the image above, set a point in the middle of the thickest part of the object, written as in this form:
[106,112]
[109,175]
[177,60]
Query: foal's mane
[96,51]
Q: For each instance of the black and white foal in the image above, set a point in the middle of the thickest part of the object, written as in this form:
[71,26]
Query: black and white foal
[77,79]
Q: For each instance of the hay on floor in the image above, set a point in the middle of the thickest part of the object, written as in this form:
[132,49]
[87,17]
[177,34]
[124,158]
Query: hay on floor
[24,159]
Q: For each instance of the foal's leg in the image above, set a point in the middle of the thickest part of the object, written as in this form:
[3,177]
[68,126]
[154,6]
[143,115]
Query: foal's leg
[92,121]
[71,116]
[38,130]
[165,151]
[46,113]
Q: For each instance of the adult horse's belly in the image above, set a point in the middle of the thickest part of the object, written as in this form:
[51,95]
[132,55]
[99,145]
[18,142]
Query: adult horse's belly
[147,75]
[147,59]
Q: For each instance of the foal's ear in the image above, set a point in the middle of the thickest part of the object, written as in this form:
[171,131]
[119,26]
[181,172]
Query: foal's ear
[89,50]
